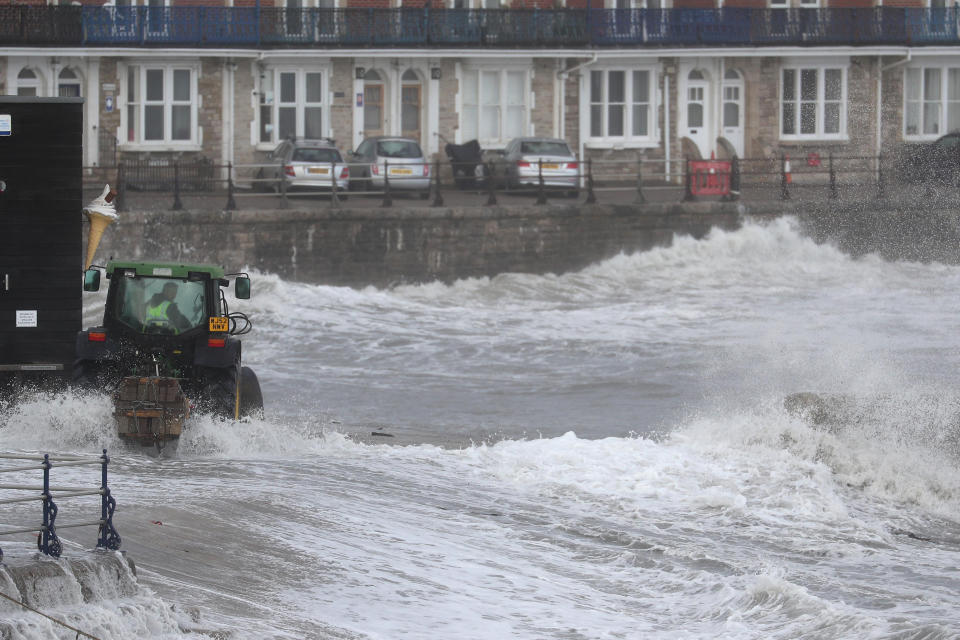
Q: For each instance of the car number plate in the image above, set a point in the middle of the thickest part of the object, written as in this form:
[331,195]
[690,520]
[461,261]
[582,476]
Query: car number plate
[219,324]
[320,170]
[400,172]
[551,165]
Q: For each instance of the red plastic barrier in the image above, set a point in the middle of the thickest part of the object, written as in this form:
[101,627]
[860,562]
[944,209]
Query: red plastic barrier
[710,177]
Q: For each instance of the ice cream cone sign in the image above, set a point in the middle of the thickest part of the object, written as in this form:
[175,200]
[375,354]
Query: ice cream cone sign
[100,212]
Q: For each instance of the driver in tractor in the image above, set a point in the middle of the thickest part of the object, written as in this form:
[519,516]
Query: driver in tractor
[163,312]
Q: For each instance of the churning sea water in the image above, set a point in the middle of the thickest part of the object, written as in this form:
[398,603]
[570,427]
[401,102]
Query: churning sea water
[600,454]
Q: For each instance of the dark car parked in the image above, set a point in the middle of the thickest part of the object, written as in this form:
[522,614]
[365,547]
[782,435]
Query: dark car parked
[934,162]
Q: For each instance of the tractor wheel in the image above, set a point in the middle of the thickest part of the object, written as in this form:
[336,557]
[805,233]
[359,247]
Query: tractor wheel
[219,393]
[251,399]
[90,374]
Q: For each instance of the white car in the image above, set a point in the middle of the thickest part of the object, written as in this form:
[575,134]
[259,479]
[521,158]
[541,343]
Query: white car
[525,158]
[401,158]
[306,164]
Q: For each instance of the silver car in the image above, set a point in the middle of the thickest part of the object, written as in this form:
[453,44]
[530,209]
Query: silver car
[306,164]
[401,158]
[524,158]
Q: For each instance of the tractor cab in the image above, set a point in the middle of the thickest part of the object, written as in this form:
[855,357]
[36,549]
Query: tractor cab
[158,299]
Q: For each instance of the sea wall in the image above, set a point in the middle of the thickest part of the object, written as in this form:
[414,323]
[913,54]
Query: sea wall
[381,247]
[359,247]
[43,583]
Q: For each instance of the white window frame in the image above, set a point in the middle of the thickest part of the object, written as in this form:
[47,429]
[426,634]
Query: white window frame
[502,139]
[629,139]
[943,102]
[820,67]
[77,81]
[300,103]
[167,102]
[37,82]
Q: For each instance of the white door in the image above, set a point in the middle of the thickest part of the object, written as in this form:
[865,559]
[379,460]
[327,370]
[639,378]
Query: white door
[696,125]
[731,111]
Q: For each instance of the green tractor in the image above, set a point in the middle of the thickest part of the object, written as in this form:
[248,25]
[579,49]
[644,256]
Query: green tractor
[167,344]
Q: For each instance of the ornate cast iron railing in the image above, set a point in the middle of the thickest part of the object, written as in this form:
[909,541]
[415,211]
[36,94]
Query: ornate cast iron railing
[261,27]
[47,540]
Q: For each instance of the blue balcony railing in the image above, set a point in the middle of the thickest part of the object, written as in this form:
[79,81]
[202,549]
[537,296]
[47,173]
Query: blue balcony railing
[256,27]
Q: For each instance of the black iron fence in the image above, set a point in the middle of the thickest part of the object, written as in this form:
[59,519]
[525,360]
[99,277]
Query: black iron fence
[269,27]
[808,175]
[46,527]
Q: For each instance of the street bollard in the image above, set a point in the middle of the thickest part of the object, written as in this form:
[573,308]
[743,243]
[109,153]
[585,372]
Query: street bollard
[387,198]
[283,188]
[881,186]
[591,197]
[121,200]
[231,203]
[833,179]
[437,196]
[784,191]
[334,198]
[734,193]
[640,199]
[177,205]
[688,181]
[541,193]
[491,186]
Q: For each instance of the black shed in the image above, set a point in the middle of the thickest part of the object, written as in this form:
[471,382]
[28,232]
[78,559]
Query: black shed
[41,228]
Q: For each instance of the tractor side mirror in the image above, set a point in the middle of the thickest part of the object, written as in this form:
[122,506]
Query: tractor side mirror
[91,280]
[241,288]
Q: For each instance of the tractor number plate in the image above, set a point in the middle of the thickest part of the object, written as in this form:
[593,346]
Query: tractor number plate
[219,324]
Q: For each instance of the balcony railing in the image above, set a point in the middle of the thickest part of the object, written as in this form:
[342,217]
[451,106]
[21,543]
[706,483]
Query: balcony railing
[255,27]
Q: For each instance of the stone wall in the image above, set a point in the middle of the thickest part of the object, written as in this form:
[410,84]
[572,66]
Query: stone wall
[381,247]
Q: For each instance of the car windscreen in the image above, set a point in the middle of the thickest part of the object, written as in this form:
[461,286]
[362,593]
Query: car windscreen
[398,149]
[159,305]
[544,147]
[316,155]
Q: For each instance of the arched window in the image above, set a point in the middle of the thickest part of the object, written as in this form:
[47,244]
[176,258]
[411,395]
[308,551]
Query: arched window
[68,84]
[28,83]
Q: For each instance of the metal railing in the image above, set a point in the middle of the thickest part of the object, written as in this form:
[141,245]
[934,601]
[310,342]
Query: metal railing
[809,174]
[47,541]
[269,27]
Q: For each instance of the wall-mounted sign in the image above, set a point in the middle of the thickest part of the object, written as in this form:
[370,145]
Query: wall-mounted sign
[435,73]
[360,73]
[108,104]
[26,318]
[359,99]
[6,124]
